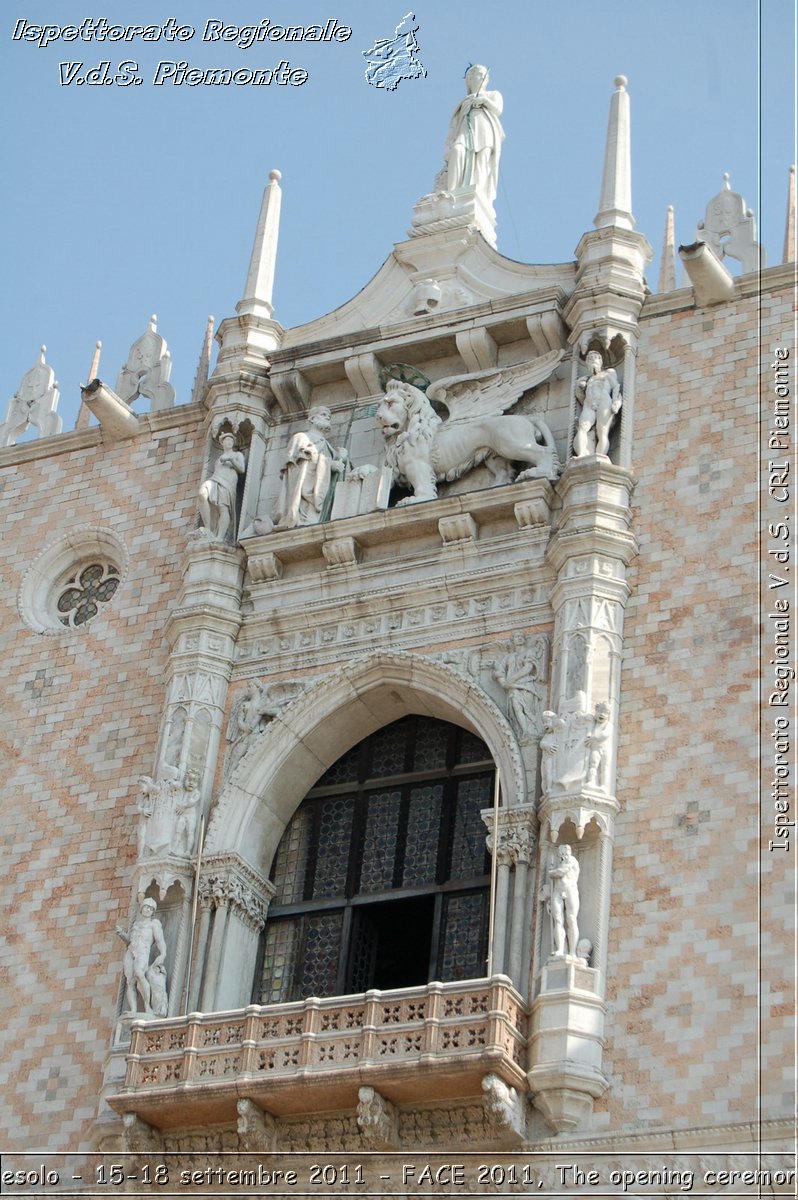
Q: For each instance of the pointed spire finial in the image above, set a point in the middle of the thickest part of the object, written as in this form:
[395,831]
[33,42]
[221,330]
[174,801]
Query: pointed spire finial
[204,364]
[615,203]
[257,298]
[667,266]
[789,229]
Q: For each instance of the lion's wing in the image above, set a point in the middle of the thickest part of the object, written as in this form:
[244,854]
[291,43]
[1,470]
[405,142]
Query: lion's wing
[472,397]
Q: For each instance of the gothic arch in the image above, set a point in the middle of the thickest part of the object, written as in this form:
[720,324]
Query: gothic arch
[317,728]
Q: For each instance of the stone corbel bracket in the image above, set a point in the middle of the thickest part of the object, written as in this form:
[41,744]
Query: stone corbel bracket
[377,1120]
[138,1137]
[256,1129]
[505,1110]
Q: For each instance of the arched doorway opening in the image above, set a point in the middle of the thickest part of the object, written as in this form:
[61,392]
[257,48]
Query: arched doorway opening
[382,874]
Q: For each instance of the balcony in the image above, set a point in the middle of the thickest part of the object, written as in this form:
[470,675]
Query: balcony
[414,1046]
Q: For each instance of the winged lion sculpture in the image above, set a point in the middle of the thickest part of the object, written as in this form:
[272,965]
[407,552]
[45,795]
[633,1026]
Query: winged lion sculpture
[424,450]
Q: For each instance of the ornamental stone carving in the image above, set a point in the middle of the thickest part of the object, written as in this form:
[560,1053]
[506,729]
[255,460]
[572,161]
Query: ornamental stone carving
[138,1136]
[574,747]
[599,396]
[520,673]
[257,705]
[143,978]
[169,808]
[256,1129]
[147,370]
[34,403]
[423,450]
[505,1110]
[729,229]
[517,834]
[307,473]
[377,1120]
[227,882]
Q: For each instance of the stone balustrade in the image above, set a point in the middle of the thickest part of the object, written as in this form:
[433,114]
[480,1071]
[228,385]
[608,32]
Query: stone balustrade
[424,1043]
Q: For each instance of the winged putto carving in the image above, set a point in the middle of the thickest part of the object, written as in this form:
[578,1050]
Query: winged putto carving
[424,449]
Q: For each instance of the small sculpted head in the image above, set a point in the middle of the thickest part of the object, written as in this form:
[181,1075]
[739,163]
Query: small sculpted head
[320,418]
[227,441]
[476,78]
[565,853]
[147,906]
[594,361]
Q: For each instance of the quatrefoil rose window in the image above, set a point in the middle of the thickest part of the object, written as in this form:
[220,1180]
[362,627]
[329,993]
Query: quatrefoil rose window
[81,599]
[72,580]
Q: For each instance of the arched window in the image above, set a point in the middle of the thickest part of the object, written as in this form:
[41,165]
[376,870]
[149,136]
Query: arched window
[382,875]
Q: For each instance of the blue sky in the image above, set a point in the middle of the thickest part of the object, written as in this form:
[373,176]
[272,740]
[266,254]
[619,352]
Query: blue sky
[122,202]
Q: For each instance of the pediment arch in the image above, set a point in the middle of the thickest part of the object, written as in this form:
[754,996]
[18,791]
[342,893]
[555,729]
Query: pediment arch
[317,728]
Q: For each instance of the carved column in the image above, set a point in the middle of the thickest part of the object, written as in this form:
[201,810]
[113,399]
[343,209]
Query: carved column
[517,837]
[590,553]
[235,901]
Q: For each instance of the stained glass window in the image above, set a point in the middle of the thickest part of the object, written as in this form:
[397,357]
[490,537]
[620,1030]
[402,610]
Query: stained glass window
[384,884]
[90,587]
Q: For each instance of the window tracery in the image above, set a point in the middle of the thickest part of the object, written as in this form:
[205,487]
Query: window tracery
[382,873]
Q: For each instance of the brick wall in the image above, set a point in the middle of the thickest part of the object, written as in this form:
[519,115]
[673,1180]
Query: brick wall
[81,716]
[685,922]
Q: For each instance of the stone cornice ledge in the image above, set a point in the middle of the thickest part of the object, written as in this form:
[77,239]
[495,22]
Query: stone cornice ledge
[82,439]
[412,521]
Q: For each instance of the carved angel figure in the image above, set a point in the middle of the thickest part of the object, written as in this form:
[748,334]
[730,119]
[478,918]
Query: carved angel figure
[519,673]
[257,705]
[423,450]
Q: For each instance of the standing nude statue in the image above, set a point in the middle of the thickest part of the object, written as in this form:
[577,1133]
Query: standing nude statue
[146,932]
[217,495]
[599,394]
[473,143]
[564,902]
